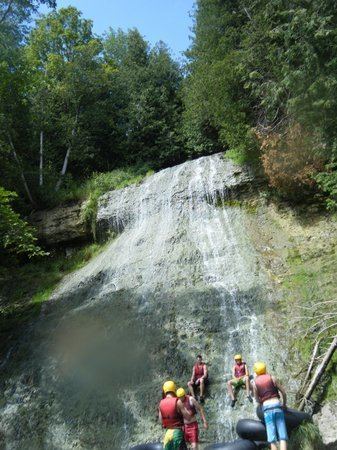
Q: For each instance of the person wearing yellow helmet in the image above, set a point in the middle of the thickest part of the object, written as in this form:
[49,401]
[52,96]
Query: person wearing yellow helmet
[172,414]
[199,378]
[240,379]
[191,429]
[268,391]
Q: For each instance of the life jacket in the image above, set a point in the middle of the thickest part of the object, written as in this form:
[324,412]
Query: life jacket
[190,408]
[266,388]
[240,370]
[171,418]
[199,370]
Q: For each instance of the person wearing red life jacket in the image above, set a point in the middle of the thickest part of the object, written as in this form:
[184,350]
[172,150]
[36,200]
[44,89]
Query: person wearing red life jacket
[240,379]
[191,428]
[172,414]
[267,391]
[199,378]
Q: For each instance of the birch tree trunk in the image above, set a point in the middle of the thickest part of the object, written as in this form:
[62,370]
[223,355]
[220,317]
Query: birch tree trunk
[22,175]
[41,159]
[66,158]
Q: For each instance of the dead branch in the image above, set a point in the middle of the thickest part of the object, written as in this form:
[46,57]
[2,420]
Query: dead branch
[319,372]
[311,364]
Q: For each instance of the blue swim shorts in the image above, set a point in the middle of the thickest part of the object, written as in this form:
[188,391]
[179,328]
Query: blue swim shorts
[275,424]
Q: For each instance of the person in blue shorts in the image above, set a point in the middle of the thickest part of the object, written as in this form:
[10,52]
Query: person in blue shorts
[268,392]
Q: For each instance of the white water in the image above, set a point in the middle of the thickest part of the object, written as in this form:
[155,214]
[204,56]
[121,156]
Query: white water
[178,254]
[231,267]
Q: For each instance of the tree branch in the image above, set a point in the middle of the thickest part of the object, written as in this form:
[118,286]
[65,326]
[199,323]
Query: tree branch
[23,178]
[319,372]
[311,364]
[6,12]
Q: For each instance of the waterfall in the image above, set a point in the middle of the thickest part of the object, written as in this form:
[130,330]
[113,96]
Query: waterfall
[182,277]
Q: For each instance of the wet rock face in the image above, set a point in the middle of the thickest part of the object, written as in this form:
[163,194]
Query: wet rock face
[60,225]
[117,209]
[326,421]
[181,278]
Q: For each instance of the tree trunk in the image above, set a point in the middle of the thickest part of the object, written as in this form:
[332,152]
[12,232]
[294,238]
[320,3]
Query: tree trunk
[23,178]
[66,158]
[319,372]
[312,361]
[64,169]
[41,159]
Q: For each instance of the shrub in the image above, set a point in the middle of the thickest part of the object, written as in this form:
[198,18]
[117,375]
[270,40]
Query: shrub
[306,437]
[291,160]
[327,181]
[100,183]
[16,236]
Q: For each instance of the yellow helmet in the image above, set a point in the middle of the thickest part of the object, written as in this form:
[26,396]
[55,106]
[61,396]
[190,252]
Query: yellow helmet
[236,357]
[260,368]
[180,392]
[169,386]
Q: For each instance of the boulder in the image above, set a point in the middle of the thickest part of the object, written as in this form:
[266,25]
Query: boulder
[326,420]
[60,225]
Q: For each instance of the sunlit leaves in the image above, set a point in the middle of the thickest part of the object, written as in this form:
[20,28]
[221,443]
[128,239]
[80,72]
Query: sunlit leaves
[16,235]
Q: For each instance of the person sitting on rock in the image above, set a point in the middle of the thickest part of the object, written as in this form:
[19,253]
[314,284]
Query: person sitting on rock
[172,414]
[191,429]
[240,379]
[199,378]
[267,391]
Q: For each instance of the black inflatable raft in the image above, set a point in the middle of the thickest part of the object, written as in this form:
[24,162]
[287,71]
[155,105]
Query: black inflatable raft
[250,429]
[293,417]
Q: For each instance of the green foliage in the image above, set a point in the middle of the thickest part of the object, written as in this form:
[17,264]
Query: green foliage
[259,69]
[327,181]
[309,292]
[100,183]
[73,104]
[16,236]
[29,285]
[306,437]
[149,82]
[238,155]
[331,391]
[215,94]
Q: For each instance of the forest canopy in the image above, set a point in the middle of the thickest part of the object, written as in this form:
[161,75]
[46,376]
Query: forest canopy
[258,83]
[262,79]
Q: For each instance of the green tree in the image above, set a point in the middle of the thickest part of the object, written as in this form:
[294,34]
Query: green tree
[264,69]
[16,236]
[150,103]
[14,111]
[217,106]
[68,79]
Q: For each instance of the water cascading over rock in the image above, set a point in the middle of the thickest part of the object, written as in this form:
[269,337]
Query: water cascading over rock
[181,278]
